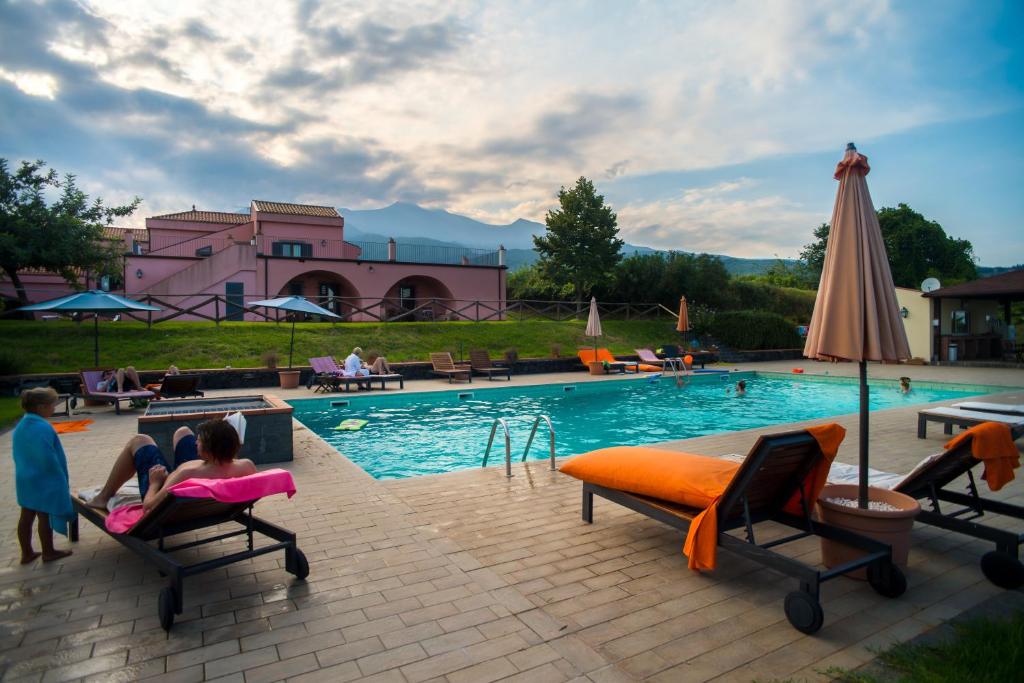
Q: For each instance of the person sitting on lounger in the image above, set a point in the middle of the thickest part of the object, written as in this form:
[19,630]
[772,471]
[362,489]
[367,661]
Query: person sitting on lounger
[354,365]
[122,379]
[209,454]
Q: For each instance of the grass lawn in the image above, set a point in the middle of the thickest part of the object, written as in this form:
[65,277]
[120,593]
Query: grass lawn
[10,410]
[64,346]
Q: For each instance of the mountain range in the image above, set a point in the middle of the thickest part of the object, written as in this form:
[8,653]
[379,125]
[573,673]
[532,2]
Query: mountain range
[413,224]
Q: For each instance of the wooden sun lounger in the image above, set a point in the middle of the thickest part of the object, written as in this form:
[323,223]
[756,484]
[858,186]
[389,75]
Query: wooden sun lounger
[480,361]
[176,515]
[771,473]
[958,509]
[89,380]
[446,367]
[948,417]
[983,407]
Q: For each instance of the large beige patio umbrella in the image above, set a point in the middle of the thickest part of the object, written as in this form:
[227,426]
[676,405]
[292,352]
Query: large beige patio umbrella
[856,316]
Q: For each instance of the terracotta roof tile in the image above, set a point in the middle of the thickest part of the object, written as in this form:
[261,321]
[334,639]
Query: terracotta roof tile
[206,217]
[296,209]
[112,233]
[1008,285]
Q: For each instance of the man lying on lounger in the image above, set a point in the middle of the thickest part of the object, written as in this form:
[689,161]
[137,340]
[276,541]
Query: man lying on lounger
[355,366]
[208,455]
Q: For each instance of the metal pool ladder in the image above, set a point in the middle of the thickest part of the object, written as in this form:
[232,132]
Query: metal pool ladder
[508,442]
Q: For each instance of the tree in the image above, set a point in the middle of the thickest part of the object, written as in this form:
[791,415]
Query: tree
[581,246]
[917,247]
[65,237]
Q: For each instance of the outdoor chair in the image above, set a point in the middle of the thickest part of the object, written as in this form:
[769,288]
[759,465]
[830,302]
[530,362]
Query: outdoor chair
[88,391]
[179,513]
[588,356]
[983,407]
[771,475]
[446,367]
[948,417]
[180,386]
[480,362]
[664,364]
[931,482]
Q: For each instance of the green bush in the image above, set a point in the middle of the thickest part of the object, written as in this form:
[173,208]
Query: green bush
[795,305]
[751,330]
[10,364]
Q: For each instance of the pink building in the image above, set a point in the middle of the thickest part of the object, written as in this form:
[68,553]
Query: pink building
[184,259]
[278,249]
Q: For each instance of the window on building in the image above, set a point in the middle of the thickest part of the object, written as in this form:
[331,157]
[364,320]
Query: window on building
[407,296]
[292,249]
[205,251]
[960,322]
[234,292]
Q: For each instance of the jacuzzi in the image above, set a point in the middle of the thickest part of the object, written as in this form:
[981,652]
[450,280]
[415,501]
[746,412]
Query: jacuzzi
[268,423]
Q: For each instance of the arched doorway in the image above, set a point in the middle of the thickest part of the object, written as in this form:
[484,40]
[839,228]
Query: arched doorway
[327,289]
[419,297]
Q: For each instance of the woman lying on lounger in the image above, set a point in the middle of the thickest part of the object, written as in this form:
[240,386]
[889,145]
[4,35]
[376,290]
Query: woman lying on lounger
[208,455]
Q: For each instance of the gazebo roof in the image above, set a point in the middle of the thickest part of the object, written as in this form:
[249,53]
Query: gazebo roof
[1003,286]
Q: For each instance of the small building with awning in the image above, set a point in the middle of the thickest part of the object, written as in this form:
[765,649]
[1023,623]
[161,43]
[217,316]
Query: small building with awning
[974,321]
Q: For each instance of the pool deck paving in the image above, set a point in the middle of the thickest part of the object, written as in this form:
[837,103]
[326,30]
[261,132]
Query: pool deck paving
[472,576]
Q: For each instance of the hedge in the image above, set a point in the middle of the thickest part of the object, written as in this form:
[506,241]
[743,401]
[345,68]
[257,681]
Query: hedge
[754,330]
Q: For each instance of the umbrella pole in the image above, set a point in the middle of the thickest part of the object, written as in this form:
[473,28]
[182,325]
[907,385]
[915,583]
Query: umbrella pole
[291,347]
[96,339]
[862,488]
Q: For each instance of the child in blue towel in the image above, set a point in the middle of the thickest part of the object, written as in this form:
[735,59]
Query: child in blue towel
[41,476]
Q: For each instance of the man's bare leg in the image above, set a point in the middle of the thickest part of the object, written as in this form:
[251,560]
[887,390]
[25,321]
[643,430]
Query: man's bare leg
[133,376]
[122,471]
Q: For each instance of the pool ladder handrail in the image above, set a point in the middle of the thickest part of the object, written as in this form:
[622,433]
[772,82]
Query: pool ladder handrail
[508,441]
[508,445]
[533,433]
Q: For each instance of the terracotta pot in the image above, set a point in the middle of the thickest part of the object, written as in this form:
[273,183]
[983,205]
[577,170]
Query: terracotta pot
[596,367]
[892,527]
[289,378]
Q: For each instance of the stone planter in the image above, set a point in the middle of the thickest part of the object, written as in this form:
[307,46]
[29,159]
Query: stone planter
[289,378]
[597,367]
[891,527]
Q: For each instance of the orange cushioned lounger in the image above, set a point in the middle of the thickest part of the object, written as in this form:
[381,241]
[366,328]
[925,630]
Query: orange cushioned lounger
[706,497]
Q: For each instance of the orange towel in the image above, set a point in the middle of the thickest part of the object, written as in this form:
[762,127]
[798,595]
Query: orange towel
[71,426]
[992,444]
[701,544]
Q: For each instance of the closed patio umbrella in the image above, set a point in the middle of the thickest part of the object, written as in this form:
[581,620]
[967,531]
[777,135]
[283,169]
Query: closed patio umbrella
[594,323]
[683,324]
[856,316]
[294,304]
[93,301]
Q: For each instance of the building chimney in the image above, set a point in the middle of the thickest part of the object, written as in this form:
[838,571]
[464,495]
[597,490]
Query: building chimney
[392,249]
[501,255]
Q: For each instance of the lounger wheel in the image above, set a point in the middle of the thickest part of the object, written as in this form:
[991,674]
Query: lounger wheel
[887,579]
[74,402]
[1002,569]
[165,607]
[804,612]
[297,564]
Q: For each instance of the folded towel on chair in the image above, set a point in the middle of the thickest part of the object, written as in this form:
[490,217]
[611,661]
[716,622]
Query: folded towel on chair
[992,444]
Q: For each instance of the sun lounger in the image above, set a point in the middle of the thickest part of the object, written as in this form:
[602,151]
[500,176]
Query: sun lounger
[964,418]
[446,367]
[480,362]
[647,356]
[180,386]
[178,514]
[931,482]
[772,473]
[89,381]
[588,356]
[981,407]
[328,376]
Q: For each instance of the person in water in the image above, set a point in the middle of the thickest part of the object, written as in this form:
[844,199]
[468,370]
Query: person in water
[741,388]
[904,385]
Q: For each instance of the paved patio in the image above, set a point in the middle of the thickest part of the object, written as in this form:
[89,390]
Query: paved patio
[469,576]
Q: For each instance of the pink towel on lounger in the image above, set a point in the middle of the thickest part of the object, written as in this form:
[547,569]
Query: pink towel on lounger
[238,490]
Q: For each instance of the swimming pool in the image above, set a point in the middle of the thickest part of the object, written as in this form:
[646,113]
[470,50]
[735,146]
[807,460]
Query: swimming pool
[408,435]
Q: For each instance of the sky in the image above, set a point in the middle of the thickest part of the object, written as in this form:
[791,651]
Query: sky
[708,126]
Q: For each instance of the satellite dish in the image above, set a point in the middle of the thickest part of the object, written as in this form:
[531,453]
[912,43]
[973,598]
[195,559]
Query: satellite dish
[930,285]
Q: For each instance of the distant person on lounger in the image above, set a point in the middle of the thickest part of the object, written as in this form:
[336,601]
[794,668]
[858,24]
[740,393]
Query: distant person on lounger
[208,454]
[354,365]
[122,379]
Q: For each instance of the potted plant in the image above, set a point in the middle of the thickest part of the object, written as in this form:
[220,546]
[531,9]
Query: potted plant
[889,518]
[289,378]
[511,357]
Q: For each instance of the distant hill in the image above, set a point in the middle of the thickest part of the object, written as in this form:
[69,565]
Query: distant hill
[413,224]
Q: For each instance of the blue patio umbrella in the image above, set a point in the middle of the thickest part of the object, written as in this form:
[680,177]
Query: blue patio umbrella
[92,301]
[294,304]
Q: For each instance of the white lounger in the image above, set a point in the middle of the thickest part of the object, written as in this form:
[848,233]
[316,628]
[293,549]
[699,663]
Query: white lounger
[1004,408]
[965,418]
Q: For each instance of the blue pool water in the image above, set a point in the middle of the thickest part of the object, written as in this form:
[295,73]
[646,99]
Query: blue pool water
[426,433]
